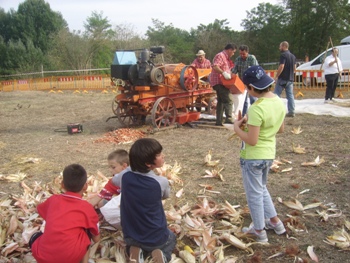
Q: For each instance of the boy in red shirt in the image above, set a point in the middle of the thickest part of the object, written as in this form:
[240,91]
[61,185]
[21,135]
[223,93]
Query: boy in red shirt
[70,222]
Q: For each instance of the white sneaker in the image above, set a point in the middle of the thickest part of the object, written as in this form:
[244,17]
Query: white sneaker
[259,236]
[278,228]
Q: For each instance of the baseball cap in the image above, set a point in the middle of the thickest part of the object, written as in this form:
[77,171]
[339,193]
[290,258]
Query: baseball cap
[257,77]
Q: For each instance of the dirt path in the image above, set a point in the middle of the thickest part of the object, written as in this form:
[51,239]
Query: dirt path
[28,121]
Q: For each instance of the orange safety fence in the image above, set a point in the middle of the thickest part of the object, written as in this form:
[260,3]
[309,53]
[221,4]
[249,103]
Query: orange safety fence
[314,80]
[95,82]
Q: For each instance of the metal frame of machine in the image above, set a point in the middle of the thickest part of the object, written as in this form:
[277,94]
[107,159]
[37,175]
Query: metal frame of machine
[170,93]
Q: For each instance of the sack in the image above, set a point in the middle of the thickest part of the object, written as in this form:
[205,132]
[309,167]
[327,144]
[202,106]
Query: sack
[111,211]
[235,84]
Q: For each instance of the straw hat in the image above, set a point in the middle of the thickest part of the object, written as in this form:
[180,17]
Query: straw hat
[200,53]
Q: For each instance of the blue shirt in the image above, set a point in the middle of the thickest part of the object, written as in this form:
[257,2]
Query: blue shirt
[141,209]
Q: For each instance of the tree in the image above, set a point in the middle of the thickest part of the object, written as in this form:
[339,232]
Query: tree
[313,22]
[35,21]
[178,43]
[127,38]
[265,27]
[98,33]
[18,57]
[212,38]
[71,51]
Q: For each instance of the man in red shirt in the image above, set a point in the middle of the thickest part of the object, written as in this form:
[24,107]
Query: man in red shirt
[222,65]
[70,222]
[201,61]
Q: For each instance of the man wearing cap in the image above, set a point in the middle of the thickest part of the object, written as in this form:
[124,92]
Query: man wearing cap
[285,76]
[222,65]
[201,61]
[265,118]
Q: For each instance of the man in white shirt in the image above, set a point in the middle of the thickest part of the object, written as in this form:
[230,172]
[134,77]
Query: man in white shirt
[332,69]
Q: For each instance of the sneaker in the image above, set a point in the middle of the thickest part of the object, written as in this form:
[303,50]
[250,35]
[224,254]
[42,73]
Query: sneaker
[136,255]
[259,236]
[278,228]
[158,256]
[289,114]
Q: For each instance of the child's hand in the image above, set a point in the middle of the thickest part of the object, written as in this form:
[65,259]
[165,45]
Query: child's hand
[94,200]
[240,122]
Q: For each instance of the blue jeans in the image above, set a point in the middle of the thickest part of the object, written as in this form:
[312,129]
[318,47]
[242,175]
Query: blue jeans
[254,173]
[167,248]
[288,86]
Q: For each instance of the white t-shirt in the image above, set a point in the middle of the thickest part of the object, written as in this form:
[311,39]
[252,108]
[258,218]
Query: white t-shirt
[334,68]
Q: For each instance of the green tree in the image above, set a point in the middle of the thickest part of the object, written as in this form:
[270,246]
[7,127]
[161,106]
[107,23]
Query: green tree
[71,51]
[265,27]
[98,33]
[178,43]
[19,57]
[35,21]
[212,38]
[313,22]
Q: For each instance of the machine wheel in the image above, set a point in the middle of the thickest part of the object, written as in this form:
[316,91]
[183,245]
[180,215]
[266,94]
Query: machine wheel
[163,112]
[189,78]
[127,117]
[115,106]
[157,76]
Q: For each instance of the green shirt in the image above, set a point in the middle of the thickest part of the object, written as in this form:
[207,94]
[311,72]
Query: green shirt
[268,113]
[242,65]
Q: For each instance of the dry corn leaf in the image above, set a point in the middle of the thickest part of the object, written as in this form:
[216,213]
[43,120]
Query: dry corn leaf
[297,130]
[187,256]
[179,193]
[287,169]
[29,160]
[295,204]
[208,161]
[318,161]
[13,225]
[292,204]
[347,224]
[231,239]
[17,177]
[312,255]
[340,239]
[214,174]
[298,149]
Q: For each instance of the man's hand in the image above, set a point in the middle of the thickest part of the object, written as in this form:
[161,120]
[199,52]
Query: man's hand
[226,75]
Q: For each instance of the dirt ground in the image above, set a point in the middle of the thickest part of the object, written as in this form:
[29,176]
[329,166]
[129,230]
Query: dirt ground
[32,124]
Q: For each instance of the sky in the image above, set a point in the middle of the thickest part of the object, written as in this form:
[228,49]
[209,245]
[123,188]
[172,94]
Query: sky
[183,14]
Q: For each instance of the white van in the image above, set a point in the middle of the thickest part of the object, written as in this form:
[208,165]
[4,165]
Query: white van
[315,64]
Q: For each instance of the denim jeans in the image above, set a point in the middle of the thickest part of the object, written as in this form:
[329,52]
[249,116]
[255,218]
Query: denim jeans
[288,86]
[254,173]
[167,248]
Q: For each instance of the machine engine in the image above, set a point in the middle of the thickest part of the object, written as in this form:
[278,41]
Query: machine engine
[142,73]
